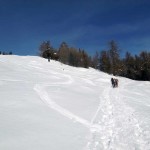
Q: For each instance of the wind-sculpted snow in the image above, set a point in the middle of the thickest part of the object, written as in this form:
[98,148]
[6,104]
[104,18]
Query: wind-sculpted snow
[51,106]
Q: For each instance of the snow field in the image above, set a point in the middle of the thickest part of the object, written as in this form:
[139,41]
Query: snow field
[55,106]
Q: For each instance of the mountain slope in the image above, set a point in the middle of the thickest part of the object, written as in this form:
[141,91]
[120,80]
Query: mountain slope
[54,106]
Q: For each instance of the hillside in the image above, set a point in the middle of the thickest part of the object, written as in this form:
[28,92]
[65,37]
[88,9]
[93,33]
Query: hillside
[51,106]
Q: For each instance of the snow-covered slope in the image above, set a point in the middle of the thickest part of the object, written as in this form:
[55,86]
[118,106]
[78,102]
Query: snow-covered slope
[52,106]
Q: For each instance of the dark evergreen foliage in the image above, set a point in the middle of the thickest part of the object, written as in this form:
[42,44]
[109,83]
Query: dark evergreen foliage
[134,67]
[114,57]
[47,51]
[65,54]
[5,53]
[105,62]
[10,53]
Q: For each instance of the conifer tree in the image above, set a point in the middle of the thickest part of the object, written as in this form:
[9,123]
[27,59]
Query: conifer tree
[63,53]
[96,61]
[114,57]
[105,61]
[46,50]
[85,59]
[129,62]
[145,65]
[73,57]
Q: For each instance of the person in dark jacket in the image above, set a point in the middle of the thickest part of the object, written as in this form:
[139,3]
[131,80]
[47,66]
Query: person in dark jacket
[116,82]
[48,56]
[112,82]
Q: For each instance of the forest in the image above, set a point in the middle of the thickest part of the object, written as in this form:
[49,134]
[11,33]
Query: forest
[136,67]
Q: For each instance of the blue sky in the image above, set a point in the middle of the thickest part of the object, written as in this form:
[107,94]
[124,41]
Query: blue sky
[85,24]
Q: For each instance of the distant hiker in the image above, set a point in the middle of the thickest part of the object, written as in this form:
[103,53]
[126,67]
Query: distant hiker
[48,56]
[112,82]
[48,59]
[116,82]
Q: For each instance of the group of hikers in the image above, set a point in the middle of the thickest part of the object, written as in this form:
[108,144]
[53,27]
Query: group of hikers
[114,82]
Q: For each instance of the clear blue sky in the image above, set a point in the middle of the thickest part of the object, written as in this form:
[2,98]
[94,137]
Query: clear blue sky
[86,24]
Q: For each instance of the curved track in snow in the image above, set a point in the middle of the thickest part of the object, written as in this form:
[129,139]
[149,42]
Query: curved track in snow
[41,91]
[114,126]
[47,100]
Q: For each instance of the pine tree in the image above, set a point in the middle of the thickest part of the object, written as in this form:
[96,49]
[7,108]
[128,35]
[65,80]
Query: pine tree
[145,65]
[129,63]
[105,62]
[114,57]
[96,61]
[85,59]
[10,53]
[46,50]
[64,53]
[73,57]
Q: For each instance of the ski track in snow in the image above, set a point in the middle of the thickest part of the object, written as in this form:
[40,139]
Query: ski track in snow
[113,125]
[46,99]
[41,91]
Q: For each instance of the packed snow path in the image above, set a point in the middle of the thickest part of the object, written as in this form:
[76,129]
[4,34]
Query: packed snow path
[119,127]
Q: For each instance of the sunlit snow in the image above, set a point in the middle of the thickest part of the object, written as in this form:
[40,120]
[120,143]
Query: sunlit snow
[51,106]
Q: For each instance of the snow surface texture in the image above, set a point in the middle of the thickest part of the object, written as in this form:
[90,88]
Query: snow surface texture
[51,106]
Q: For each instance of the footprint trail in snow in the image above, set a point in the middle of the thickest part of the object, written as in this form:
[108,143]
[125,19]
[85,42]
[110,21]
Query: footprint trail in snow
[119,128]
